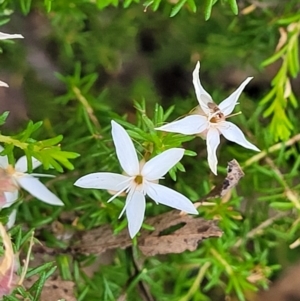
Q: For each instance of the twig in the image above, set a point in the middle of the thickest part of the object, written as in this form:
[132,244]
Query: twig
[26,262]
[259,228]
[88,108]
[289,193]
[197,282]
[272,149]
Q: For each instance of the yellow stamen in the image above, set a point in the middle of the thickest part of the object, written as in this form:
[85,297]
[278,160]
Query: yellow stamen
[138,179]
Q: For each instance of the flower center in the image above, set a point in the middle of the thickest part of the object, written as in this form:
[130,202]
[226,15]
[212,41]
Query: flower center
[216,114]
[138,179]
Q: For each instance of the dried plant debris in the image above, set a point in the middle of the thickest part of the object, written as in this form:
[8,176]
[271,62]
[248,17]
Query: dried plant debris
[234,174]
[54,289]
[174,233]
[286,288]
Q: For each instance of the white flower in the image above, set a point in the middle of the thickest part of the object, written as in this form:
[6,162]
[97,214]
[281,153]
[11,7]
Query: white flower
[5,36]
[139,180]
[12,178]
[209,121]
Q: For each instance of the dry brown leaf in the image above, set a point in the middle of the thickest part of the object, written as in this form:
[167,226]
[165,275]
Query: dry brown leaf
[286,288]
[234,174]
[54,289]
[191,231]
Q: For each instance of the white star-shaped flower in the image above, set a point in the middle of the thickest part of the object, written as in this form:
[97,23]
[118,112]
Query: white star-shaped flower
[12,178]
[209,121]
[139,180]
[6,36]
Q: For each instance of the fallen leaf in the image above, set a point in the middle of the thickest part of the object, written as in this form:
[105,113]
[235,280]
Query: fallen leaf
[164,239]
[234,174]
[55,289]
[190,233]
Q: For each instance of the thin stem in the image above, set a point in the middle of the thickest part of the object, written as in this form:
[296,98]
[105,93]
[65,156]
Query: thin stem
[26,262]
[9,140]
[87,107]
[195,286]
[227,267]
[272,149]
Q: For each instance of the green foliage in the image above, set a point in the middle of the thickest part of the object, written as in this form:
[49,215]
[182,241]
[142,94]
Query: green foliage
[46,151]
[122,60]
[281,93]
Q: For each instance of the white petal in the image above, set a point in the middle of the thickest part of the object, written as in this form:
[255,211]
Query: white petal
[39,190]
[125,150]
[190,125]
[158,166]
[103,180]
[135,212]
[232,133]
[10,197]
[228,104]
[171,198]
[11,219]
[5,36]
[22,166]
[3,161]
[212,142]
[3,84]
[203,97]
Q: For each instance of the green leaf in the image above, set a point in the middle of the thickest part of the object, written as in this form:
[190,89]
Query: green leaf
[177,8]
[233,6]
[208,8]
[190,153]
[127,3]
[51,141]
[191,4]
[282,205]
[25,6]
[156,4]
[289,20]
[277,55]
[48,4]
[3,117]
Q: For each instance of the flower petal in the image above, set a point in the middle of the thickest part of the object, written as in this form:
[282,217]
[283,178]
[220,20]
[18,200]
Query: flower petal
[158,166]
[5,36]
[39,190]
[135,211]
[232,133]
[190,125]
[3,84]
[228,104]
[3,161]
[11,219]
[125,150]
[212,142]
[22,166]
[10,197]
[203,97]
[170,197]
[103,180]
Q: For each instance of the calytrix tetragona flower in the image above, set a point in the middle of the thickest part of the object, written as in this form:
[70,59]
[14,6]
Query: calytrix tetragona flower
[209,121]
[12,178]
[139,180]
